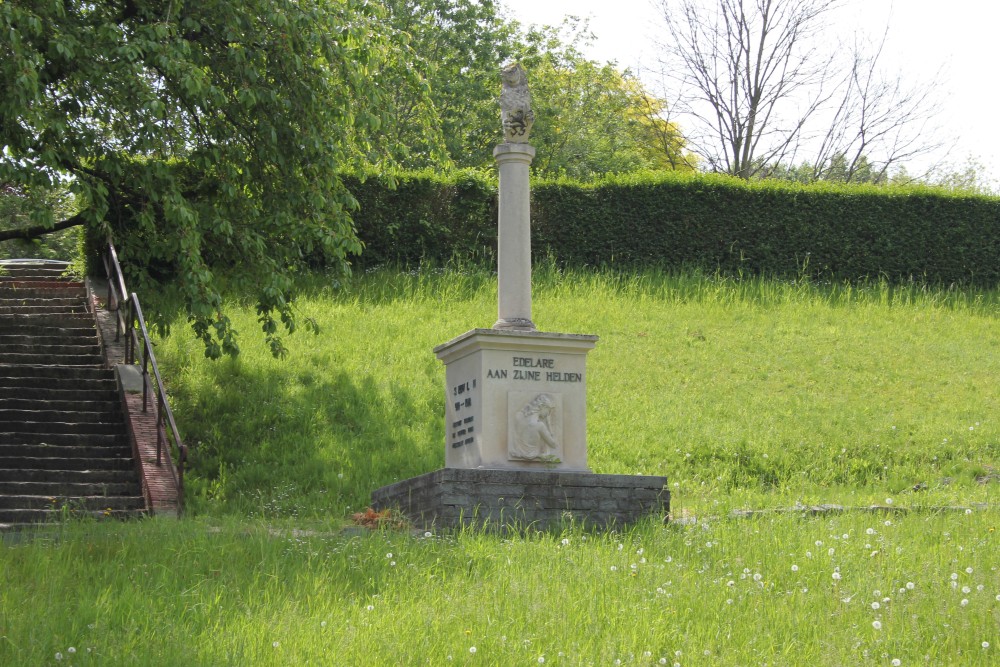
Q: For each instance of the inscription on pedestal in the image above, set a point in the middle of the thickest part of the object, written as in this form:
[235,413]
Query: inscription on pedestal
[516,400]
[523,369]
[464,424]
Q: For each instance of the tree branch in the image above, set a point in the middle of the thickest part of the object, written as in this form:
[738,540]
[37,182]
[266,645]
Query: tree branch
[30,233]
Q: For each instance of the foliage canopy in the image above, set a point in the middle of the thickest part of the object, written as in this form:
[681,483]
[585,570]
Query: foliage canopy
[199,135]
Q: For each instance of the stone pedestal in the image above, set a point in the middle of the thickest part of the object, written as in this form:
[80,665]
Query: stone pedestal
[522,499]
[516,400]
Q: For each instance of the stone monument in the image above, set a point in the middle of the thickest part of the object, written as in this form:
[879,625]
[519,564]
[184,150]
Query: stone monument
[516,418]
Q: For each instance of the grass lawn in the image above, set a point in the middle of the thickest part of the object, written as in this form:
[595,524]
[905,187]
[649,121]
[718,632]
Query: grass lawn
[745,393]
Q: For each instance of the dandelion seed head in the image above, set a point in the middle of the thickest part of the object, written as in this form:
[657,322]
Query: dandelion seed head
[896,662]
[877,625]
[876,605]
[870,531]
[966,590]
[968,570]
[964,602]
[836,576]
[59,655]
[795,568]
[954,576]
[830,551]
[275,644]
[472,649]
[71,650]
[565,541]
[910,585]
[986,644]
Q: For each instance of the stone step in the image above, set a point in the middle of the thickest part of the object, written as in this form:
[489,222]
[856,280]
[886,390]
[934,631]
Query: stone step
[44,372]
[33,438]
[37,359]
[110,405]
[14,519]
[73,476]
[70,489]
[26,346]
[97,502]
[64,334]
[59,463]
[14,288]
[57,302]
[27,341]
[64,427]
[34,307]
[49,415]
[99,391]
[65,320]
[21,268]
[81,451]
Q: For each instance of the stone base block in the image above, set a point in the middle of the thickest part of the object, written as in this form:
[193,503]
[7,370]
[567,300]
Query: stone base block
[453,497]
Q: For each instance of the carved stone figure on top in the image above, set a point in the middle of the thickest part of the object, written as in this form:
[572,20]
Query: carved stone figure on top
[515,105]
[533,434]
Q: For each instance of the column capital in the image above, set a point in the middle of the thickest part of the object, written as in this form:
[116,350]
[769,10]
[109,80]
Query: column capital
[512,152]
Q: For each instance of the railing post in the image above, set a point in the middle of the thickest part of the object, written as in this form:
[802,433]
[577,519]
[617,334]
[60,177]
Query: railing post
[126,327]
[159,431]
[145,378]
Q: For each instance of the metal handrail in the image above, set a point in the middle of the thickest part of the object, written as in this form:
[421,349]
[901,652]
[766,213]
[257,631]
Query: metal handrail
[126,324]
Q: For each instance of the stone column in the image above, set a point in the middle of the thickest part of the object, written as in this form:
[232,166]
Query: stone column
[514,238]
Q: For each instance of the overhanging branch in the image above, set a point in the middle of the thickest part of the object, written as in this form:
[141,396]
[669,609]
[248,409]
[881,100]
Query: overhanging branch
[29,233]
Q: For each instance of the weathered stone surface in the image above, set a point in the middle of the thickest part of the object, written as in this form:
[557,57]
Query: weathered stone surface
[516,400]
[452,497]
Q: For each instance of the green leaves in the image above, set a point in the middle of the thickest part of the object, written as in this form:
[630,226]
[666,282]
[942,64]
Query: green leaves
[206,137]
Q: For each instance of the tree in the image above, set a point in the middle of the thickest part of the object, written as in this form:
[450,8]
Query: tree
[752,76]
[455,47]
[204,137]
[591,118]
[878,123]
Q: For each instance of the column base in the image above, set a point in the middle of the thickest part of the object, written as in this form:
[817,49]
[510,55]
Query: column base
[515,324]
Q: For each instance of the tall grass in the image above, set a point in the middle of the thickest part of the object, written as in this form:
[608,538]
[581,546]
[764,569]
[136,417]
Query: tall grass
[781,590]
[741,391]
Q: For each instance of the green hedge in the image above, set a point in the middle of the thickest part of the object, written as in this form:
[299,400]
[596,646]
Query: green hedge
[712,222]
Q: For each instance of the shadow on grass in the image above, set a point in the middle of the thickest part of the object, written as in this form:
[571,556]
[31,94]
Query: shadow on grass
[279,441]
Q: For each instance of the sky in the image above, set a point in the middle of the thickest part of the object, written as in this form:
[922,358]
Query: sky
[928,40]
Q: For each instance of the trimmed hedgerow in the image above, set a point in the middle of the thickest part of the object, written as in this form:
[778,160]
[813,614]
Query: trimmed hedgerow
[710,222]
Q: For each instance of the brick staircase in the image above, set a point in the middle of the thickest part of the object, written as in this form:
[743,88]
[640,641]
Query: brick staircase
[64,446]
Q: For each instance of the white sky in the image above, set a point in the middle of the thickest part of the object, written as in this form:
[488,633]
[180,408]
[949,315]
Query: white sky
[954,41]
